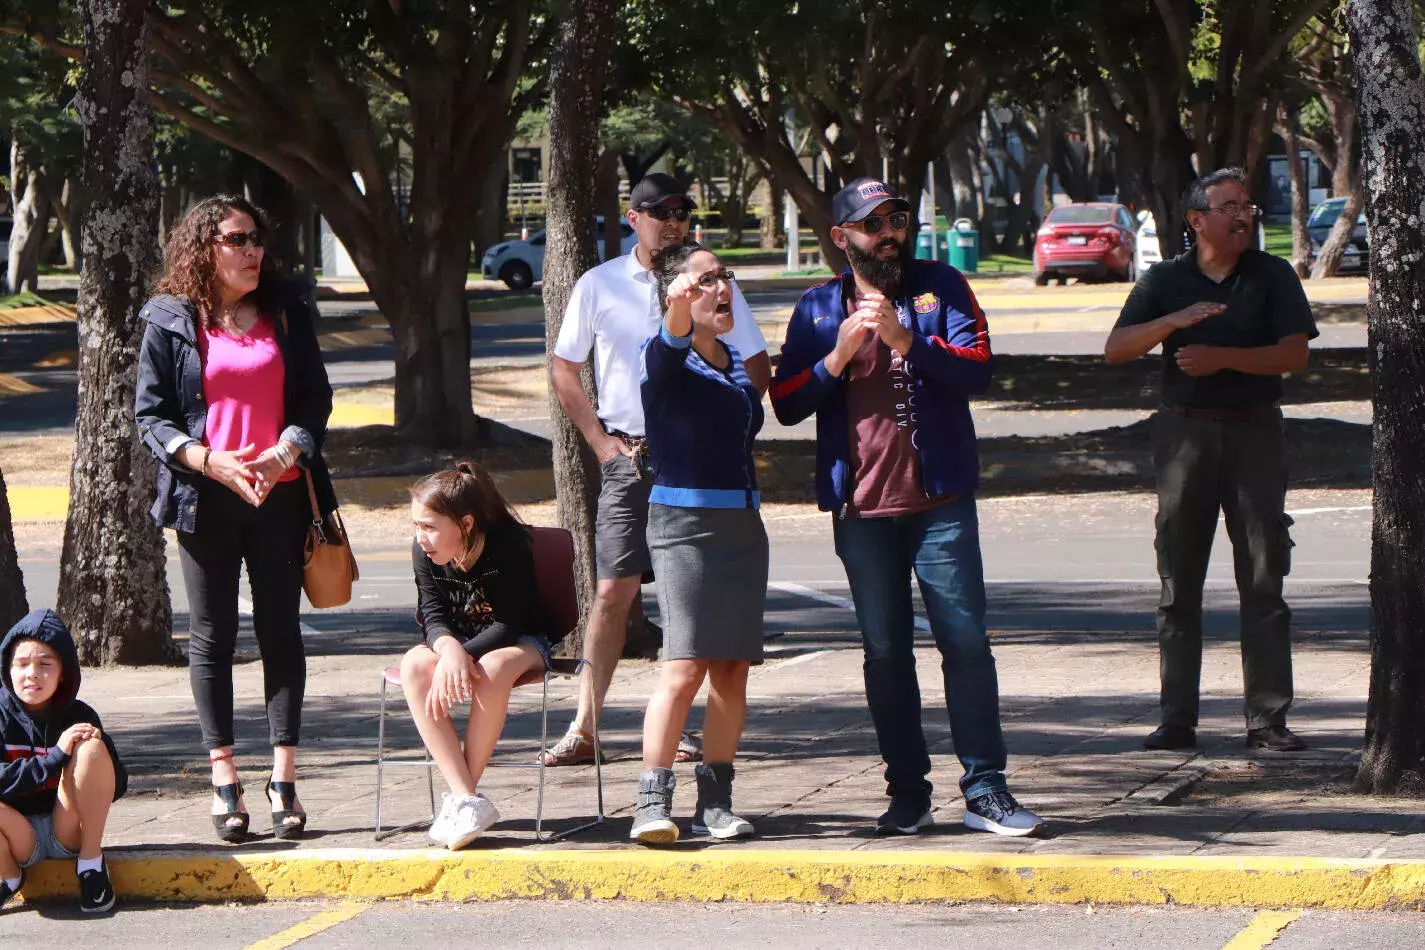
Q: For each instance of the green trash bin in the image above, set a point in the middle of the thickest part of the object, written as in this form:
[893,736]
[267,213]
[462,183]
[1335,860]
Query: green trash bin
[925,245]
[964,247]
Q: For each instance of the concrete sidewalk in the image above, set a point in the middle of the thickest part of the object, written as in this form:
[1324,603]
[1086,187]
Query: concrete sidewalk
[1216,827]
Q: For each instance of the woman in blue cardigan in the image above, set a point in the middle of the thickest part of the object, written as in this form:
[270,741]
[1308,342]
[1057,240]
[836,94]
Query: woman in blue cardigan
[706,538]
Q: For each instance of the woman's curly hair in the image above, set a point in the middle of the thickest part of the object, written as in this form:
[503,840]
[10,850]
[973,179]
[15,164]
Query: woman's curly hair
[189,257]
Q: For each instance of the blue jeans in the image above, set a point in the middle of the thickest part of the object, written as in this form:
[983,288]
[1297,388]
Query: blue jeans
[942,546]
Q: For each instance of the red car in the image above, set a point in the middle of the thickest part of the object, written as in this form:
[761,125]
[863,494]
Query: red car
[1088,241]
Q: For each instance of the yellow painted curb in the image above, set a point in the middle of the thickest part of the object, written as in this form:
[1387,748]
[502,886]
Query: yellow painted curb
[757,877]
[30,503]
[38,502]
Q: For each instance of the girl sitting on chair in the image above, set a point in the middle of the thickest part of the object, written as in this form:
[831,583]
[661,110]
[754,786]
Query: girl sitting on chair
[480,614]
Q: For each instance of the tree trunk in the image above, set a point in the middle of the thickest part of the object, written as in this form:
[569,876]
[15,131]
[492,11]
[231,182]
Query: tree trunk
[773,229]
[31,212]
[1328,261]
[13,604]
[575,104]
[1300,203]
[113,586]
[1392,128]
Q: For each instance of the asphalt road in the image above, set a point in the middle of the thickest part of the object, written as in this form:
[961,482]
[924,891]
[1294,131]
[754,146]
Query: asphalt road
[337,926]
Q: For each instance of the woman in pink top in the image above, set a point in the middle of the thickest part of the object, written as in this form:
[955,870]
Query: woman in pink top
[233,400]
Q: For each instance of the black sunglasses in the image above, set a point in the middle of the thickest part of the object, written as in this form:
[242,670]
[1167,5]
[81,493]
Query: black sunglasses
[661,213]
[239,239]
[873,223]
[709,280]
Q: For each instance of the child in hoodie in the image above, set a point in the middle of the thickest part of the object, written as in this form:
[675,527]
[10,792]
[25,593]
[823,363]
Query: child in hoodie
[60,772]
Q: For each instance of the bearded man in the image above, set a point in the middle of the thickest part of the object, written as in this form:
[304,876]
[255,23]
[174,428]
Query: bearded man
[888,355]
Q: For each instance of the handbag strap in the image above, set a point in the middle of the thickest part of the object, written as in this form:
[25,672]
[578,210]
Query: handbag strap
[316,509]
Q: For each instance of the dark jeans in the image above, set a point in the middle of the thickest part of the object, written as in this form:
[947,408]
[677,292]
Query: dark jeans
[942,547]
[269,539]
[1238,467]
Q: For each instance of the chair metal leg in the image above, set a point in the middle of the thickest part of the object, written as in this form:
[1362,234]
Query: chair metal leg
[379,834]
[543,745]
[380,755]
[598,764]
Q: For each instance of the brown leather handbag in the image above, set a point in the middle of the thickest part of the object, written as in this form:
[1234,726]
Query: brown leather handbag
[328,566]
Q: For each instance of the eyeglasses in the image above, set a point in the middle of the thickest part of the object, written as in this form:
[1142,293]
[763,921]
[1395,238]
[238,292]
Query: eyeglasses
[873,223]
[1232,209]
[239,239]
[709,280]
[660,213]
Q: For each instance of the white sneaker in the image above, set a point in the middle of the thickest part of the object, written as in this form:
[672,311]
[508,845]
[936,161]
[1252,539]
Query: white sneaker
[441,827]
[473,816]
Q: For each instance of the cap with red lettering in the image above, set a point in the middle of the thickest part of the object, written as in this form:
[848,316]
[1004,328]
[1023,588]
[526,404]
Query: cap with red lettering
[861,197]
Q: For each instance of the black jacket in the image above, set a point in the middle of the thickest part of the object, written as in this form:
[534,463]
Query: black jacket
[169,402]
[490,606]
[33,760]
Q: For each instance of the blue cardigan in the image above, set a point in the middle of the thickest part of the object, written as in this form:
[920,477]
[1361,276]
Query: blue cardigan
[700,422]
[949,360]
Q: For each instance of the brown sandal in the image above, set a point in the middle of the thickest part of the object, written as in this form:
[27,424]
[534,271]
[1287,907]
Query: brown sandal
[574,749]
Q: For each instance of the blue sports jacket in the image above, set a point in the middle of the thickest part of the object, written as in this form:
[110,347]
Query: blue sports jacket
[949,361]
[700,423]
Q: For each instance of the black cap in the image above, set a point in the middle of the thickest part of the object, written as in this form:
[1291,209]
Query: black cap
[861,197]
[655,188]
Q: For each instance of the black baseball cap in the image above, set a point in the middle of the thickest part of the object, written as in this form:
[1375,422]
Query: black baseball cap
[861,197]
[655,188]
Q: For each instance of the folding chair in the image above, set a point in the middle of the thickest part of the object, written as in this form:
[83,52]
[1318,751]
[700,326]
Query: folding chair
[554,570]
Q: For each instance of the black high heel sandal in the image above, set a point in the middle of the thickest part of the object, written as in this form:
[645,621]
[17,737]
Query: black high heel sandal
[287,794]
[230,795]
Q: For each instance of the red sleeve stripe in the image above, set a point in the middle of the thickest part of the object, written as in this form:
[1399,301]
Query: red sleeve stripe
[980,352]
[787,387]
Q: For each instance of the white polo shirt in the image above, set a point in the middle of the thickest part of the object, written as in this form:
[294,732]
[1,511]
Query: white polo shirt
[613,312]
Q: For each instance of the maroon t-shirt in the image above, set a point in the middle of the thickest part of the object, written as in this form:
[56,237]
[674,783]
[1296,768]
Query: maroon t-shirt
[885,466]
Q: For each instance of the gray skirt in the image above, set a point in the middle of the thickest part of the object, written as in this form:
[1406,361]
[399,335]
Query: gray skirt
[711,570]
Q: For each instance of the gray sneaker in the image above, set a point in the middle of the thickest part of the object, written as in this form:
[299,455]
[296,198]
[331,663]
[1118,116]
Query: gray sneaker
[997,811]
[653,819]
[713,814]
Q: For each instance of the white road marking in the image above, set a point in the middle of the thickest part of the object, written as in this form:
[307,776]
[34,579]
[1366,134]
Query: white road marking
[811,593]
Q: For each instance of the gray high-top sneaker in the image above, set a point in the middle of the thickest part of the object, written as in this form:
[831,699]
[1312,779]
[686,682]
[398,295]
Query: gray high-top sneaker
[653,819]
[713,815]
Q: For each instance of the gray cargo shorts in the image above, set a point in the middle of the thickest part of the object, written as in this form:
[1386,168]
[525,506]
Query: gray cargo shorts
[621,525]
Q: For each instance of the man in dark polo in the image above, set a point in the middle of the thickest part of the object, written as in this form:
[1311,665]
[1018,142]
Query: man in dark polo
[1231,320]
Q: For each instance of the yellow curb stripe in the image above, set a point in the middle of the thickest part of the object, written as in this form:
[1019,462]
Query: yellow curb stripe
[350,416]
[1262,930]
[310,927]
[757,876]
[38,502]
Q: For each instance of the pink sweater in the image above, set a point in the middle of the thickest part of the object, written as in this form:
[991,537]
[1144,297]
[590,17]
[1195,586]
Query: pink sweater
[243,380]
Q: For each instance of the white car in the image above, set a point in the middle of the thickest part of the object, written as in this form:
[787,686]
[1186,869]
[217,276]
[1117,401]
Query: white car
[1147,253]
[520,263]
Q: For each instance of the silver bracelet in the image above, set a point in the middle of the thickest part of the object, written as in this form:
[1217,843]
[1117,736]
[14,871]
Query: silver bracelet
[284,454]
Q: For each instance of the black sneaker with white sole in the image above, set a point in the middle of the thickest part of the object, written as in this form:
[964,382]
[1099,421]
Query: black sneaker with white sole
[997,811]
[904,818]
[96,892]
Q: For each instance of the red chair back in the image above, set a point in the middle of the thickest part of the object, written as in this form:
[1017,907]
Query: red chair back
[554,569]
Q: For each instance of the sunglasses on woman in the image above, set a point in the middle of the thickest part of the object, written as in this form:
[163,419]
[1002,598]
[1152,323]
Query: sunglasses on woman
[873,223]
[239,239]
[661,213]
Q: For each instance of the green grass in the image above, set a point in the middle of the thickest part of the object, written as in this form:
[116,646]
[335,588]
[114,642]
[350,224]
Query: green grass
[23,300]
[1279,239]
[506,301]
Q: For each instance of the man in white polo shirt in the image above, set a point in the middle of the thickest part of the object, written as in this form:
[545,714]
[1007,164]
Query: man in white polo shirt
[612,312]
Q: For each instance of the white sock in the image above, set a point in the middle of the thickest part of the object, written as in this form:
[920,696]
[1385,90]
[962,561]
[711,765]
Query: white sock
[13,883]
[89,864]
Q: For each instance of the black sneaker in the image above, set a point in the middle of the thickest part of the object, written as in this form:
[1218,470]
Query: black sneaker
[6,894]
[996,811]
[96,893]
[904,818]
